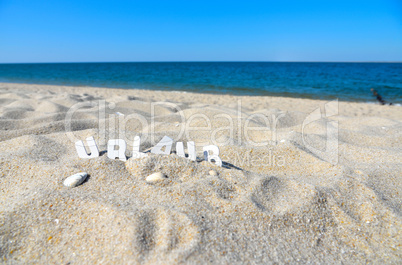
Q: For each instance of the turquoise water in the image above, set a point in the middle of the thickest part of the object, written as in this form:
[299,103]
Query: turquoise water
[345,81]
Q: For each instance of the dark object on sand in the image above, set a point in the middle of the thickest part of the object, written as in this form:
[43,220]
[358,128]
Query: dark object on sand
[379,98]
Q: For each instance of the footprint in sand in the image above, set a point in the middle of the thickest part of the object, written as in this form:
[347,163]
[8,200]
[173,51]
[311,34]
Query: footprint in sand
[280,196]
[64,226]
[164,236]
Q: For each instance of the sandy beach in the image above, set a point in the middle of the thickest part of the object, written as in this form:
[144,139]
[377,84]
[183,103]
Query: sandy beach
[288,191]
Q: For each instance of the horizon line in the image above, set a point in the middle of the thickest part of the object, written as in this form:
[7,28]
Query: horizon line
[202,62]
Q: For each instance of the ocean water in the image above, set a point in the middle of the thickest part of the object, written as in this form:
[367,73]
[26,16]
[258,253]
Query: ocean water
[345,81]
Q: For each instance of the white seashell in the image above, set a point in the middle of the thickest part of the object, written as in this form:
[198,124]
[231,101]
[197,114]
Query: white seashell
[213,173]
[75,180]
[155,177]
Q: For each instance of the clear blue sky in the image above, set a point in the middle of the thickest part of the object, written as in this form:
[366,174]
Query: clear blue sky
[192,30]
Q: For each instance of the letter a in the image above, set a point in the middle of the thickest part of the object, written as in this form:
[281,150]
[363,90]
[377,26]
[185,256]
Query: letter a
[167,142]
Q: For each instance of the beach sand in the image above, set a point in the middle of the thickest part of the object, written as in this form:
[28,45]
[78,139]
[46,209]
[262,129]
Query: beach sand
[275,200]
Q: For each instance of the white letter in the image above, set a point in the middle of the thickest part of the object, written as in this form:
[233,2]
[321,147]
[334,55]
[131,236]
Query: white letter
[190,147]
[82,153]
[136,148]
[166,141]
[214,156]
[120,153]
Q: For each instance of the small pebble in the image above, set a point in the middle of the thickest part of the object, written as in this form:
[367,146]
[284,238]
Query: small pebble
[213,173]
[75,180]
[155,177]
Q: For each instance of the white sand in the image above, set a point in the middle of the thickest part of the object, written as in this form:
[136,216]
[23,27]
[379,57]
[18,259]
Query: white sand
[278,203]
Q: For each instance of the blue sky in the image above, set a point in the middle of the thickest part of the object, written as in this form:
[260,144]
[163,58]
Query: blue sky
[117,31]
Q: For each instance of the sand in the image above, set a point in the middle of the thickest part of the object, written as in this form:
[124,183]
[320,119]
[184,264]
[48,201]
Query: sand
[275,200]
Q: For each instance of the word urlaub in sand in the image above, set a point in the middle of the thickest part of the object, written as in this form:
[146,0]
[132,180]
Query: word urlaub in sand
[211,152]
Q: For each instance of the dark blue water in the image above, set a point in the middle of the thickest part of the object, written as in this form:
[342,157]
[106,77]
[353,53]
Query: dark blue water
[345,81]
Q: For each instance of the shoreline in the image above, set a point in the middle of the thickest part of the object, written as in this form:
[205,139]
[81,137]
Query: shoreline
[374,101]
[149,91]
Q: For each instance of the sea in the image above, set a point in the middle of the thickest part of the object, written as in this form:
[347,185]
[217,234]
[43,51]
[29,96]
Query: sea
[313,80]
